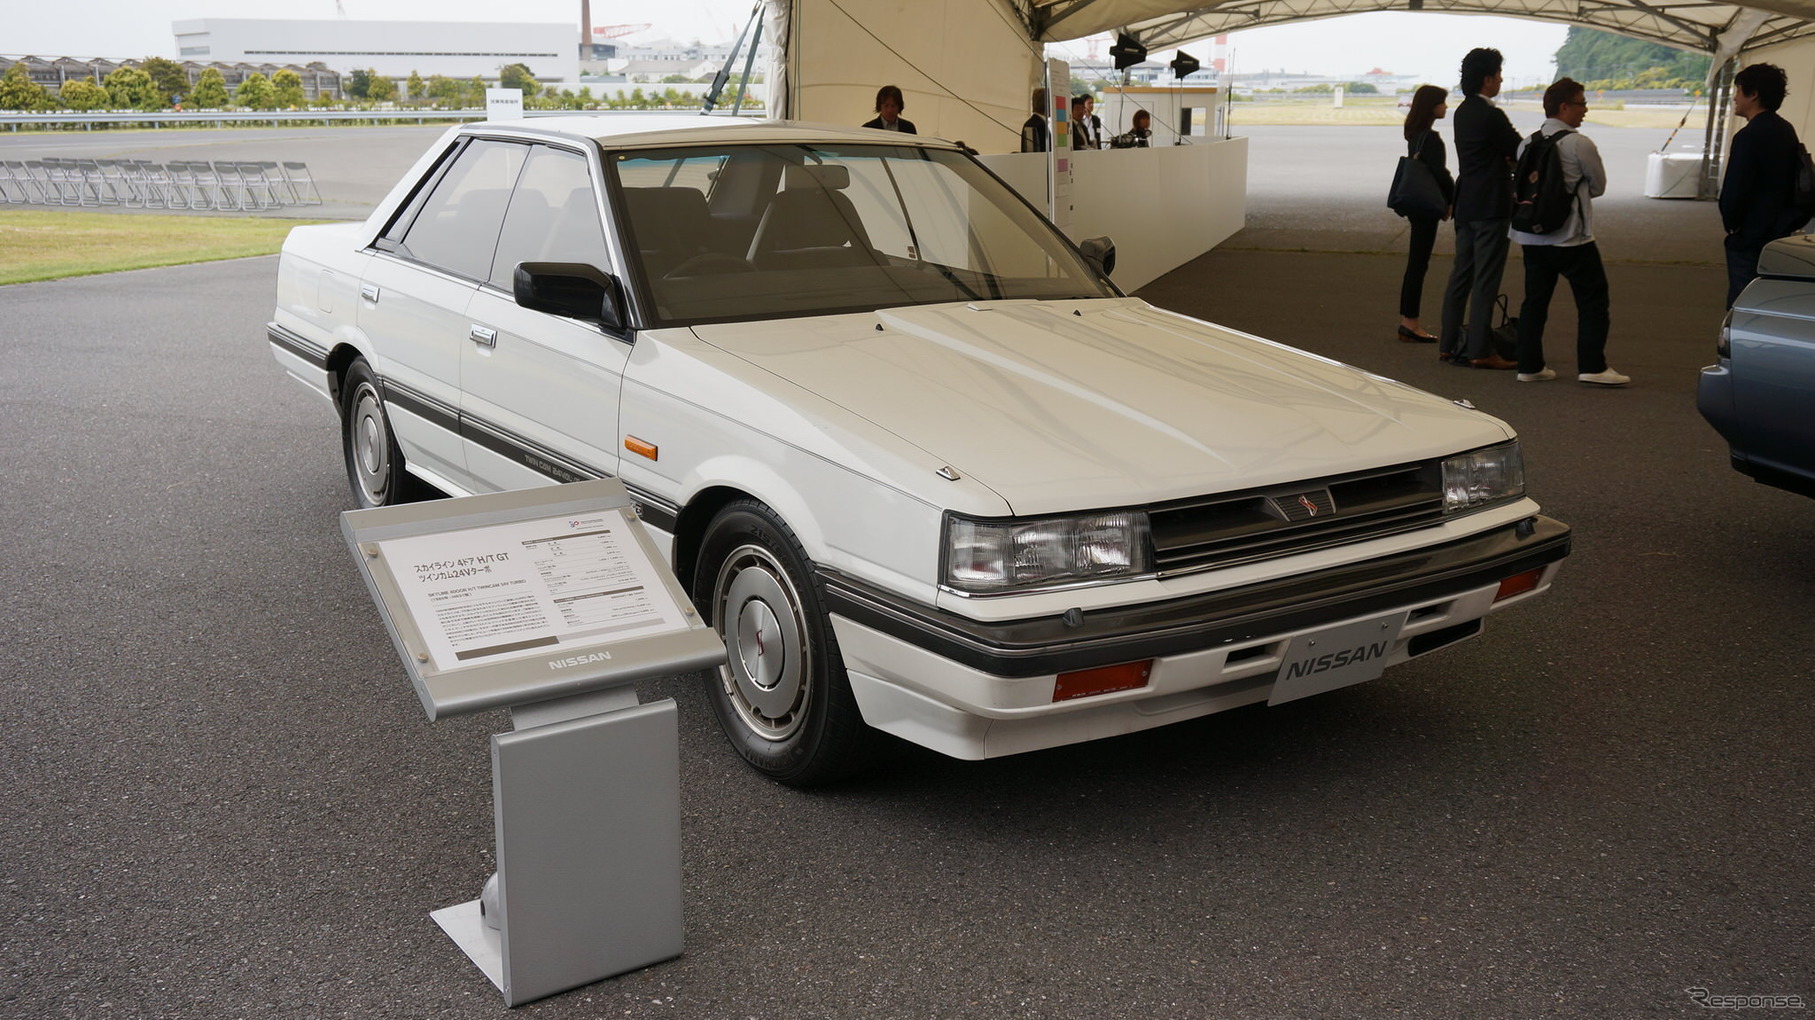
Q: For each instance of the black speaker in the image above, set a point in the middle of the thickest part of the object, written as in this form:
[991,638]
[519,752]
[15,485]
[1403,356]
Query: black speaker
[1184,64]
[1127,51]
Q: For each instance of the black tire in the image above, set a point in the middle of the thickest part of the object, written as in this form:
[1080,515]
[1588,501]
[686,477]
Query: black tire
[782,697]
[368,446]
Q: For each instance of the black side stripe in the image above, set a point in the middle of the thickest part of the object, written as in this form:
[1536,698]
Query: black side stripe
[296,344]
[557,467]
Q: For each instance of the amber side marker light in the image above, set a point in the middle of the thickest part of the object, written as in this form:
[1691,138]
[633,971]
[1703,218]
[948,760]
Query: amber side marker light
[640,447]
[1104,680]
[1519,584]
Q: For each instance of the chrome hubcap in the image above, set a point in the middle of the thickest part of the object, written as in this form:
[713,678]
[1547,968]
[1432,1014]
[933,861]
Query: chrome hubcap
[767,670]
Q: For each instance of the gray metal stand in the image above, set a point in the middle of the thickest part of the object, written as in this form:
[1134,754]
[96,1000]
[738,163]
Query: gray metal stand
[586,793]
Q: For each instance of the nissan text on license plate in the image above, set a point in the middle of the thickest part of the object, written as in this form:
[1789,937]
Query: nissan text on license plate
[1325,660]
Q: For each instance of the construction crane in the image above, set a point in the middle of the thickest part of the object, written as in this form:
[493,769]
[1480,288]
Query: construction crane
[618,31]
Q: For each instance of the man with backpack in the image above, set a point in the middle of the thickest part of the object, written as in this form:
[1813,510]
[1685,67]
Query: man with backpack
[1554,187]
[1485,145]
[1757,196]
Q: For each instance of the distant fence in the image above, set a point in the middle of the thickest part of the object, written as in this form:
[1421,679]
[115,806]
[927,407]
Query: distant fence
[274,118]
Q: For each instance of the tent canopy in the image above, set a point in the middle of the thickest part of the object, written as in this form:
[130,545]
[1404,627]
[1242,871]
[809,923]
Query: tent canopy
[1721,29]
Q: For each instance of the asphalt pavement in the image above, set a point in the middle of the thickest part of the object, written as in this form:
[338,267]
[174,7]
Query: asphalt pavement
[226,801]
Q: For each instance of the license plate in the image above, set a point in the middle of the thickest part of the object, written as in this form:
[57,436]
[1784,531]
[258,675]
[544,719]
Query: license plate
[1328,659]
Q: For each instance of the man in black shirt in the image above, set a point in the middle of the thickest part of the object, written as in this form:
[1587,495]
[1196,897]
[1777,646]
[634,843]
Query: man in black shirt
[1756,196]
[1486,146]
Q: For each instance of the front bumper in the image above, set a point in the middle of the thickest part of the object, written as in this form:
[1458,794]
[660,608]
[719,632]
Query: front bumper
[976,690]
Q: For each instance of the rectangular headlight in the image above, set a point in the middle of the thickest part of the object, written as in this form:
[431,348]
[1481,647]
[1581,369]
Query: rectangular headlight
[1483,476]
[986,556]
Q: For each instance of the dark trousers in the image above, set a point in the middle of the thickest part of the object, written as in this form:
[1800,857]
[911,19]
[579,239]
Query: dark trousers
[1581,266]
[1742,266]
[1474,283]
[1417,261]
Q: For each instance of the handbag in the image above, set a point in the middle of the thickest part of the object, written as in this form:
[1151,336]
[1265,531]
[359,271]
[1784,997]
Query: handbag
[1504,338]
[1415,191]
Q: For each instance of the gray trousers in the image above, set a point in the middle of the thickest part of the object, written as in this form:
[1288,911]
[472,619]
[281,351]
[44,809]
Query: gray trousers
[1474,283]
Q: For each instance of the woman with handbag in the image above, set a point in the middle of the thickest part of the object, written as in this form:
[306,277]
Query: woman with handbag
[1426,146]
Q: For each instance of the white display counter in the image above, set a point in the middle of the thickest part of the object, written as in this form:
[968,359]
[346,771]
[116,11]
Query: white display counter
[1162,207]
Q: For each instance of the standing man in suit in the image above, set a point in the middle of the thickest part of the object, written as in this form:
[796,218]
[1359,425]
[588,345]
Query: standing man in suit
[889,105]
[1089,132]
[1757,195]
[1035,135]
[1486,147]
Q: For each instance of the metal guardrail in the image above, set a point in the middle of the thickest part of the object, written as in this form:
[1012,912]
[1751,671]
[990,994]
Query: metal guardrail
[186,118]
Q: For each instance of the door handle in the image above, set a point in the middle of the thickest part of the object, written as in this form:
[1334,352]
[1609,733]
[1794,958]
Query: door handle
[369,291]
[484,336]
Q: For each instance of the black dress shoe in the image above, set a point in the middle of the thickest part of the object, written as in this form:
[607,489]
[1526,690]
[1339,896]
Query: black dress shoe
[1415,338]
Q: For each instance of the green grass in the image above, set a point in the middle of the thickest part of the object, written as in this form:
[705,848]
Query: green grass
[47,244]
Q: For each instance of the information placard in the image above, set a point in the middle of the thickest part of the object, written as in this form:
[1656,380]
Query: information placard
[517,597]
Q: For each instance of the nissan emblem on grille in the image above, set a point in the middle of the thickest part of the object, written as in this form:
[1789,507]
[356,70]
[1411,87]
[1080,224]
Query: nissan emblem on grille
[1310,507]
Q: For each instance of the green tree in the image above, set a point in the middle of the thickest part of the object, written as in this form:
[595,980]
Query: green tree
[129,88]
[287,90]
[418,88]
[359,84]
[82,94]
[519,77]
[19,92]
[210,91]
[255,92]
[474,92]
[167,76]
[382,89]
[1604,60]
[443,89]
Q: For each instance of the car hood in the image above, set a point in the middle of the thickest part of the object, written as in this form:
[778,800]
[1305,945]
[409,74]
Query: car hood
[1063,405]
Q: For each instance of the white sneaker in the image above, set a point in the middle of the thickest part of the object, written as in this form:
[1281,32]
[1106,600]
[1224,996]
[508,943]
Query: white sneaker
[1605,377]
[1541,375]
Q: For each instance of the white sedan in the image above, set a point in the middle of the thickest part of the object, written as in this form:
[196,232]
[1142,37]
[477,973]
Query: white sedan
[921,464]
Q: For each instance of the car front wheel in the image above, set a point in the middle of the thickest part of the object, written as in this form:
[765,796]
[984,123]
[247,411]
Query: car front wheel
[782,697]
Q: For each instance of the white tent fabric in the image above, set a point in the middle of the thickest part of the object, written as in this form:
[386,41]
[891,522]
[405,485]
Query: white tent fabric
[1722,28]
[966,66]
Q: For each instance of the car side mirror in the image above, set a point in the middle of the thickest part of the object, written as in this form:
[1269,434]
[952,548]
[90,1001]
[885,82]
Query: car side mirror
[573,289]
[1099,252]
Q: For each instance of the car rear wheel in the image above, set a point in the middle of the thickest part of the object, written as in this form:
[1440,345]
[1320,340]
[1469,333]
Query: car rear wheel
[782,696]
[374,463]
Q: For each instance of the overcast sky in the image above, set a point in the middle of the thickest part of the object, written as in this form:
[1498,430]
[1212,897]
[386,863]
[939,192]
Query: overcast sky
[1426,45]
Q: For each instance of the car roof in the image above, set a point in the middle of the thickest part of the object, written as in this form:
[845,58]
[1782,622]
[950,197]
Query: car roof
[619,130]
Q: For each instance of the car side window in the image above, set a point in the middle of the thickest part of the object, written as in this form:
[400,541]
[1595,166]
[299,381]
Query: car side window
[553,216]
[457,227]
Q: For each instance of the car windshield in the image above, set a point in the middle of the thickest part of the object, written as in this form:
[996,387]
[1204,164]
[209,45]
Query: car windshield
[766,231]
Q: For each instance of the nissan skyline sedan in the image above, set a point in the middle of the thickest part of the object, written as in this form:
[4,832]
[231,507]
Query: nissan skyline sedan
[926,470]
[1757,394]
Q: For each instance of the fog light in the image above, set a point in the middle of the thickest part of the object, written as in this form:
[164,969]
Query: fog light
[1104,680]
[1519,584]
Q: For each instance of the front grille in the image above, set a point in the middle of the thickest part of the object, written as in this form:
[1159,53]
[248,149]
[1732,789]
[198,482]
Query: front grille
[1241,527]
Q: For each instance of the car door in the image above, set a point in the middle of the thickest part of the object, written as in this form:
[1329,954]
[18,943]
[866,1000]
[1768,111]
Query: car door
[539,391]
[1774,376]
[414,299]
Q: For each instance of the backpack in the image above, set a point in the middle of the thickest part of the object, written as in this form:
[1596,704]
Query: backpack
[1802,192]
[1541,201]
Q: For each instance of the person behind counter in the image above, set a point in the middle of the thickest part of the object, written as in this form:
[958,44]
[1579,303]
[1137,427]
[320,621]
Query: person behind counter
[1034,133]
[1137,135]
[889,105]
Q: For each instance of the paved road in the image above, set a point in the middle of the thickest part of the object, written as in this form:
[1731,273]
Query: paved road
[226,802]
